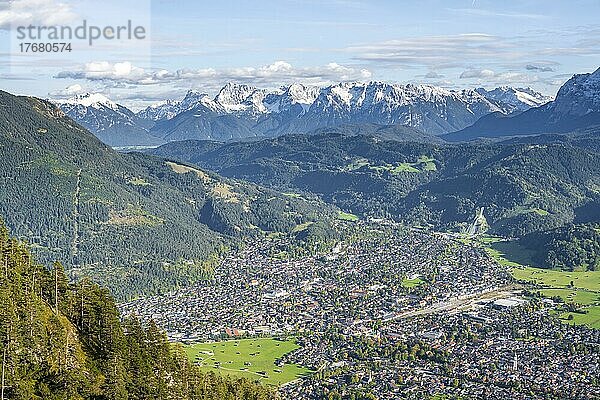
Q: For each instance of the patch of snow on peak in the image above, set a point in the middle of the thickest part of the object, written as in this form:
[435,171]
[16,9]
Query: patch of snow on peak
[520,99]
[232,97]
[95,100]
[301,94]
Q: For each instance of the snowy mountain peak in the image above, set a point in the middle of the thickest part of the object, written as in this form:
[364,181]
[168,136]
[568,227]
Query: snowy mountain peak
[193,93]
[160,111]
[169,108]
[302,94]
[114,124]
[193,98]
[378,97]
[289,96]
[383,95]
[580,95]
[163,103]
[238,97]
[95,100]
[520,99]
[297,107]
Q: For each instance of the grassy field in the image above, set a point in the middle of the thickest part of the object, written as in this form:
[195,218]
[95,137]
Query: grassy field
[588,280]
[301,227]
[423,163]
[427,163]
[403,167]
[579,287]
[507,253]
[250,358]
[347,216]
[410,283]
[591,317]
[294,195]
[357,164]
[540,211]
[582,297]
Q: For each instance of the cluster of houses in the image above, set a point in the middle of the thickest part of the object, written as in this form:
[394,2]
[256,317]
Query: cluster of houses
[253,293]
[388,288]
[518,352]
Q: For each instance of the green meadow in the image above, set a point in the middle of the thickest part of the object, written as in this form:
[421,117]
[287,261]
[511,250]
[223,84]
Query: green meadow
[589,316]
[422,164]
[410,283]
[344,216]
[577,287]
[507,253]
[582,297]
[585,280]
[249,358]
[581,288]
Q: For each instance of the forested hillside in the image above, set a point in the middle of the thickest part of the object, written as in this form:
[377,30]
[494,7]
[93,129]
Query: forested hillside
[65,341]
[588,138]
[134,223]
[574,247]
[523,187]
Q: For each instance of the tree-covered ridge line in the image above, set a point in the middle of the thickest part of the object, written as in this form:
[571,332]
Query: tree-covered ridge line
[573,247]
[66,341]
[523,187]
[134,223]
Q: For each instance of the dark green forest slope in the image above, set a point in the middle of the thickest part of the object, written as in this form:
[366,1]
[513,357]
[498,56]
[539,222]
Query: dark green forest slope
[573,247]
[65,341]
[132,222]
[523,187]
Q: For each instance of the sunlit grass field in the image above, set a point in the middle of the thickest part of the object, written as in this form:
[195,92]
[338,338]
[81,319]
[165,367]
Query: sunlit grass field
[249,358]
[410,283]
[581,288]
[347,216]
[590,317]
[578,287]
[588,280]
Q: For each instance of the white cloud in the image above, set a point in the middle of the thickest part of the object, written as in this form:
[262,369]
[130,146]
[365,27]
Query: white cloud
[534,51]
[516,77]
[34,12]
[489,13]
[117,71]
[477,73]
[69,91]
[435,51]
[275,74]
[433,75]
[541,67]
[498,78]
[73,89]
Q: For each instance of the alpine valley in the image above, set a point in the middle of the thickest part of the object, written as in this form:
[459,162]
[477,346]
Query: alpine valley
[288,158]
[132,222]
[540,175]
[357,241]
[299,200]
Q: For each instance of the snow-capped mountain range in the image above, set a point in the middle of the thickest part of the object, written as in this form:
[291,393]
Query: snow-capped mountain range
[520,99]
[112,123]
[344,97]
[236,99]
[579,96]
[240,111]
[577,106]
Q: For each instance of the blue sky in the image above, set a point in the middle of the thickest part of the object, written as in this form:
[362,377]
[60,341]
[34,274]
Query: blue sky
[203,45]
